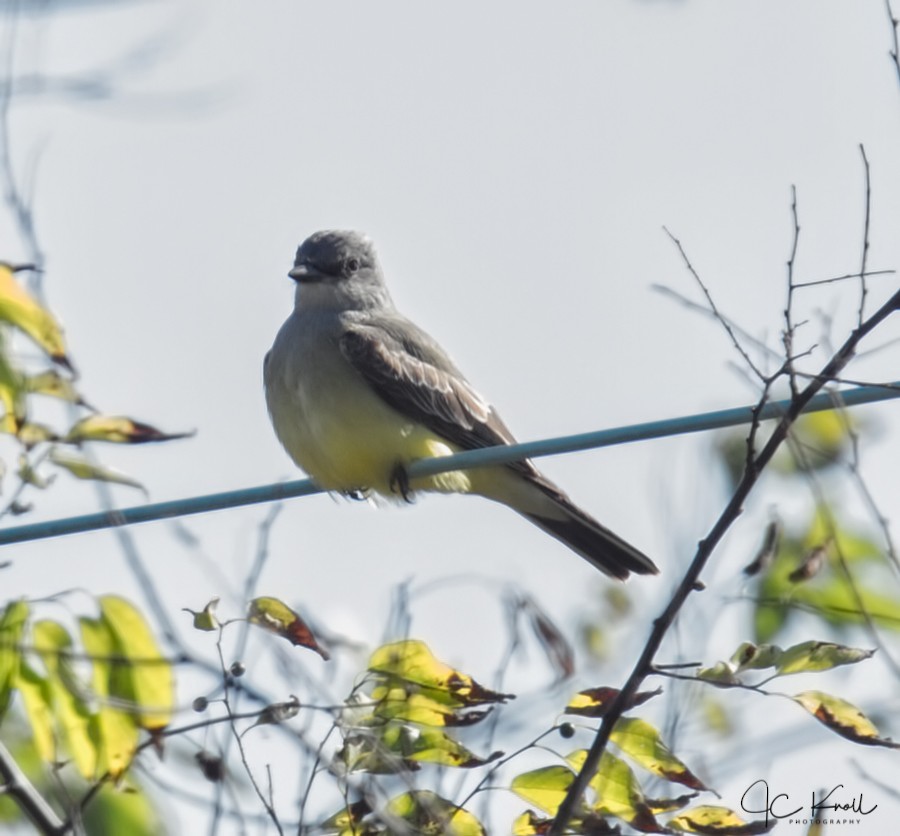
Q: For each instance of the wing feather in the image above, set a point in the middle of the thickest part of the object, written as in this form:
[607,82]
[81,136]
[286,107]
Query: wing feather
[411,374]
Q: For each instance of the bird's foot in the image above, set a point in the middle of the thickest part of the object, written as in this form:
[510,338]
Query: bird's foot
[399,483]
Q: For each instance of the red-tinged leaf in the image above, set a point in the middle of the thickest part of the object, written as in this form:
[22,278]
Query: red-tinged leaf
[531,824]
[212,766]
[812,564]
[117,429]
[644,745]
[767,551]
[277,617]
[595,702]
[412,661]
[843,718]
[709,820]
[557,649]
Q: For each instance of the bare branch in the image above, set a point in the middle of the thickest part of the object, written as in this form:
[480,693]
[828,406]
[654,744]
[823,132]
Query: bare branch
[705,549]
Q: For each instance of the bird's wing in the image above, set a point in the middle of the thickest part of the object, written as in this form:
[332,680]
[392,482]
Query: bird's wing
[411,373]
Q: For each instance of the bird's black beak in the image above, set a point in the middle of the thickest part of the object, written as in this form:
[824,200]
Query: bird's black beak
[304,272]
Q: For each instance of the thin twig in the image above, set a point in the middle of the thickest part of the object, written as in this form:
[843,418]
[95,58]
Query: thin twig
[845,277]
[895,49]
[863,289]
[713,308]
[705,549]
[790,328]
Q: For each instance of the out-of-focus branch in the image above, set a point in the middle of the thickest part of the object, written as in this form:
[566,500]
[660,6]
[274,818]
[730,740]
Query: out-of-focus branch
[17,786]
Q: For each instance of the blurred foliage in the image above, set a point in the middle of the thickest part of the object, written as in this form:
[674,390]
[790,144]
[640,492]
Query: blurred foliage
[86,696]
[24,379]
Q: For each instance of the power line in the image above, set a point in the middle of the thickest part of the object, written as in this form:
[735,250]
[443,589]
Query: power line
[428,467]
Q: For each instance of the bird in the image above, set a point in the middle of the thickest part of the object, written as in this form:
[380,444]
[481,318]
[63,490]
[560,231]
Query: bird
[356,393]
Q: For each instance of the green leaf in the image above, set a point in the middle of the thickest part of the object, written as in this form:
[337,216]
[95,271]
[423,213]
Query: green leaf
[751,656]
[819,656]
[205,619]
[12,624]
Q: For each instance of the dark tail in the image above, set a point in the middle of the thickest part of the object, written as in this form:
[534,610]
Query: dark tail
[598,545]
[595,543]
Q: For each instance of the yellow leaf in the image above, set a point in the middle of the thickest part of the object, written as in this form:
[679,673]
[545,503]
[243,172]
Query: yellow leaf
[19,308]
[618,791]
[712,821]
[819,656]
[529,824]
[12,393]
[205,619]
[32,434]
[52,642]
[114,730]
[411,660]
[12,623]
[145,677]
[545,788]
[643,744]
[52,384]
[117,429]
[426,812]
[30,476]
[82,468]
[399,700]
[843,718]
[38,700]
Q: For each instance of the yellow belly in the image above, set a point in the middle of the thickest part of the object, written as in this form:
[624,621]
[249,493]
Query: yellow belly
[349,439]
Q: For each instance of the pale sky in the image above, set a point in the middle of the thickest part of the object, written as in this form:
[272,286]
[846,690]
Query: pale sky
[515,164]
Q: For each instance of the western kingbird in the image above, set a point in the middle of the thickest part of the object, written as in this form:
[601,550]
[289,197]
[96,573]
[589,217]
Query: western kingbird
[356,392]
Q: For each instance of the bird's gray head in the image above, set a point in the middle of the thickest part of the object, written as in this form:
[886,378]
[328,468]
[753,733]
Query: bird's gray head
[338,269]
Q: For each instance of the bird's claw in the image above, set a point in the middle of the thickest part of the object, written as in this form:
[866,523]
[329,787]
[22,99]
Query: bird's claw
[400,483]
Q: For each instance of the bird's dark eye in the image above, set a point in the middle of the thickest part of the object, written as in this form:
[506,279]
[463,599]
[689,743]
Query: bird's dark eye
[352,265]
